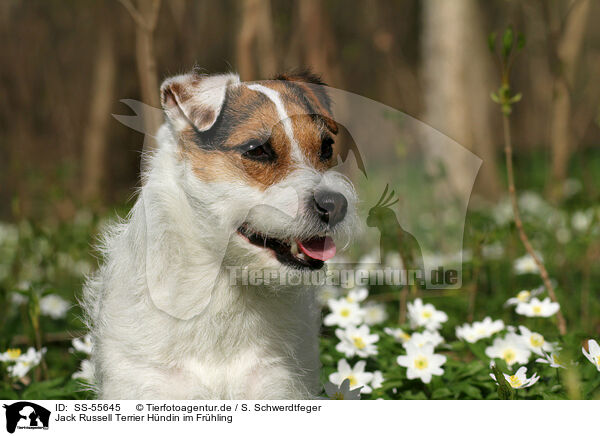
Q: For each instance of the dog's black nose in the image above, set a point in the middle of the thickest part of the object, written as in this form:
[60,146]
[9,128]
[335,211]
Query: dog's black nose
[330,206]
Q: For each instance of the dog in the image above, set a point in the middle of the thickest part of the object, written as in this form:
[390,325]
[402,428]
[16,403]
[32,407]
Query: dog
[243,177]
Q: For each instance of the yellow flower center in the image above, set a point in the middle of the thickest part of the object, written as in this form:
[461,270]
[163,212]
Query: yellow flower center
[523,296]
[555,359]
[427,314]
[349,299]
[537,309]
[345,313]
[514,381]
[509,355]
[352,379]
[421,362]
[13,353]
[359,342]
[536,340]
[405,336]
[598,360]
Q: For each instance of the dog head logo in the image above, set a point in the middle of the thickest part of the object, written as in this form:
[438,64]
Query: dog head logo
[253,174]
[26,415]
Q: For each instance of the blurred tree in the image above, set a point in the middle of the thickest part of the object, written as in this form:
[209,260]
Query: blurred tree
[93,167]
[566,42]
[456,74]
[145,16]
[255,50]
[317,47]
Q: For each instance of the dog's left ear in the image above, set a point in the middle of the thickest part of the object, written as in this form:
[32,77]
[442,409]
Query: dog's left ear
[314,89]
[195,100]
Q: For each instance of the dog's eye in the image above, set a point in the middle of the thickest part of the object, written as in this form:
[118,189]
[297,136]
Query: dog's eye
[259,152]
[326,149]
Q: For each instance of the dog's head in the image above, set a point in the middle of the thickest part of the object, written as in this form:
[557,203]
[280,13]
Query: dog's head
[259,159]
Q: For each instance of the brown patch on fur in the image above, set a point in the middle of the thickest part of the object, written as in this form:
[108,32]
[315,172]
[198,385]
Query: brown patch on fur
[249,117]
[312,86]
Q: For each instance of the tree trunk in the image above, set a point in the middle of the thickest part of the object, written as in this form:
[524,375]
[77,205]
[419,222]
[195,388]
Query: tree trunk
[96,134]
[456,73]
[255,43]
[145,16]
[318,48]
[568,51]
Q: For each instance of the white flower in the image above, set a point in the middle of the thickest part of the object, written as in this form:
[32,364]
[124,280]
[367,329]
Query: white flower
[510,348]
[17,298]
[531,202]
[519,380]
[467,333]
[553,359]
[10,355]
[398,334]
[425,315]
[356,341]
[327,293]
[581,220]
[526,265]
[537,308]
[593,355]
[503,212]
[357,375]
[54,306]
[563,235]
[374,313]
[493,251]
[419,340]
[571,187]
[421,362]
[368,262]
[534,341]
[343,313]
[524,296]
[487,327]
[84,344]
[479,329]
[357,295]
[25,362]
[394,261]
[86,371]
[378,380]
[341,392]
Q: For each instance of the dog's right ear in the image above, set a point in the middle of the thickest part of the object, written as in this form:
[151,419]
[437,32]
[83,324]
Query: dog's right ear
[195,100]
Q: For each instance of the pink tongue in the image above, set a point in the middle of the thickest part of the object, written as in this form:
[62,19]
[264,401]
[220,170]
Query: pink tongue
[318,248]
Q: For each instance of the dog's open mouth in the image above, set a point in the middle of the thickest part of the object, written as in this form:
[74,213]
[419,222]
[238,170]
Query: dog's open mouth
[309,254]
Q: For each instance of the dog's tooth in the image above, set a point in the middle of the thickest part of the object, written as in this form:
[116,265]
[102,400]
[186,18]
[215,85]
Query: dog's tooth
[294,248]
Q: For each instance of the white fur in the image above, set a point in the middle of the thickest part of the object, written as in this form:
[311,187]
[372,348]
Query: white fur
[165,320]
[283,116]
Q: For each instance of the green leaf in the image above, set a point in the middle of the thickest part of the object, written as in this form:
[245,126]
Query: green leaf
[470,391]
[441,393]
[492,42]
[520,41]
[9,395]
[505,392]
[507,42]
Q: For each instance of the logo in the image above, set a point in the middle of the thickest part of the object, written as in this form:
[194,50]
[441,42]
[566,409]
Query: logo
[26,415]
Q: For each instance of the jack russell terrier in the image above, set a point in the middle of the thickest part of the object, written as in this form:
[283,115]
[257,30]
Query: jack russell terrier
[242,176]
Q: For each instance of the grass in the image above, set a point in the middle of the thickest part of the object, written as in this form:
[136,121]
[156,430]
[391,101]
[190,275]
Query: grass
[42,257]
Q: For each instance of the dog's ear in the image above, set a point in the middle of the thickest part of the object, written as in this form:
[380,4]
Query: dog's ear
[314,89]
[195,100]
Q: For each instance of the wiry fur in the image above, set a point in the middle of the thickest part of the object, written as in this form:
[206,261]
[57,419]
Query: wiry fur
[165,320]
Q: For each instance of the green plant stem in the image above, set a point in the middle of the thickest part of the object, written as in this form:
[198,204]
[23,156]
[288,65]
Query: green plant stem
[562,325]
